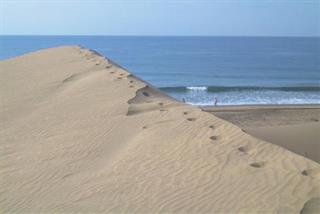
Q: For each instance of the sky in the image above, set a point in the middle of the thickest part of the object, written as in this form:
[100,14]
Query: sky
[161,17]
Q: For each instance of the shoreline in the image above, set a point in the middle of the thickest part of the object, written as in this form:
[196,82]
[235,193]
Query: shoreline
[212,108]
[82,134]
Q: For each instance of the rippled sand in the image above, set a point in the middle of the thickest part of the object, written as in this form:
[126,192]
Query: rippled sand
[81,134]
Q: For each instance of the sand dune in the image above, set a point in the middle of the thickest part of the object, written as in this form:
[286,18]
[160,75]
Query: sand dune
[81,134]
[295,127]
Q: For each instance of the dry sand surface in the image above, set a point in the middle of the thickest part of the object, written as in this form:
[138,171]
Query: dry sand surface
[295,127]
[80,134]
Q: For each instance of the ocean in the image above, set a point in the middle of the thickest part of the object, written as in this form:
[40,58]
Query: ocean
[235,70]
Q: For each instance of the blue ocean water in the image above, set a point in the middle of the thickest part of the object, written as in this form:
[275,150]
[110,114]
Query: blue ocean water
[236,70]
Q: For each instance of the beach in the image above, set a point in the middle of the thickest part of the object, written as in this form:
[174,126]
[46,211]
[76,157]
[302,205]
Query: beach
[294,127]
[79,133]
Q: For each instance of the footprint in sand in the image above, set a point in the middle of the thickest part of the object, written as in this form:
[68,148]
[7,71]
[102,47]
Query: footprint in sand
[191,119]
[131,81]
[145,93]
[314,120]
[131,86]
[112,72]
[109,66]
[257,164]
[313,173]
[161,107]
[242,149]
[119,78]
[216,137]
[247,150]
[144,127]
[212,127]
[185,113]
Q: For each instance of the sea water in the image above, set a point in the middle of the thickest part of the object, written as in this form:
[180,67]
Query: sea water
[235,70]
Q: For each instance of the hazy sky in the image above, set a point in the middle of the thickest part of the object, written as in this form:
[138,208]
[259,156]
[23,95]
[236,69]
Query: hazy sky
[156,17]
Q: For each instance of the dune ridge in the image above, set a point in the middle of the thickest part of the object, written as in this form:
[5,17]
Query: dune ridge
[79,133]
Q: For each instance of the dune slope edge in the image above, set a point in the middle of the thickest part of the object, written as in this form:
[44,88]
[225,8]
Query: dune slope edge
[81,134]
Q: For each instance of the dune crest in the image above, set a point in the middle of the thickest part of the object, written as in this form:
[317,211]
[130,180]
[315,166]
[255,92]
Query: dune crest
[81,134]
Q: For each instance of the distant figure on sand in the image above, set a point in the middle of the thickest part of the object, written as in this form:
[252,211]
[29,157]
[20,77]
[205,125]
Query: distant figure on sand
[215,101]
[183,100]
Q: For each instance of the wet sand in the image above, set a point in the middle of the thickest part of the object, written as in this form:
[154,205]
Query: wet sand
[80,134]
[295,127]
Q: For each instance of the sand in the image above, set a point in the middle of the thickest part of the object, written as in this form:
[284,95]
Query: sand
[81,134]
[295,127]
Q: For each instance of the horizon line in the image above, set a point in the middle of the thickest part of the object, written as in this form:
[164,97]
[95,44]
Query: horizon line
[2,35]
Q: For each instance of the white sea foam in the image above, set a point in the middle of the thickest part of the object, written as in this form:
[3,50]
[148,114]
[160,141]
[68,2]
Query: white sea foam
[197,88]
[249,97]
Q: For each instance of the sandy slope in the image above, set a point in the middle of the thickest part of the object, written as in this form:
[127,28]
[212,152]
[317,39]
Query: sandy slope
[75,138]
[295,127]
[304,139]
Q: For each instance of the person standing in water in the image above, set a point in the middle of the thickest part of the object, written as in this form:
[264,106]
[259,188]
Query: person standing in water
[215,101]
